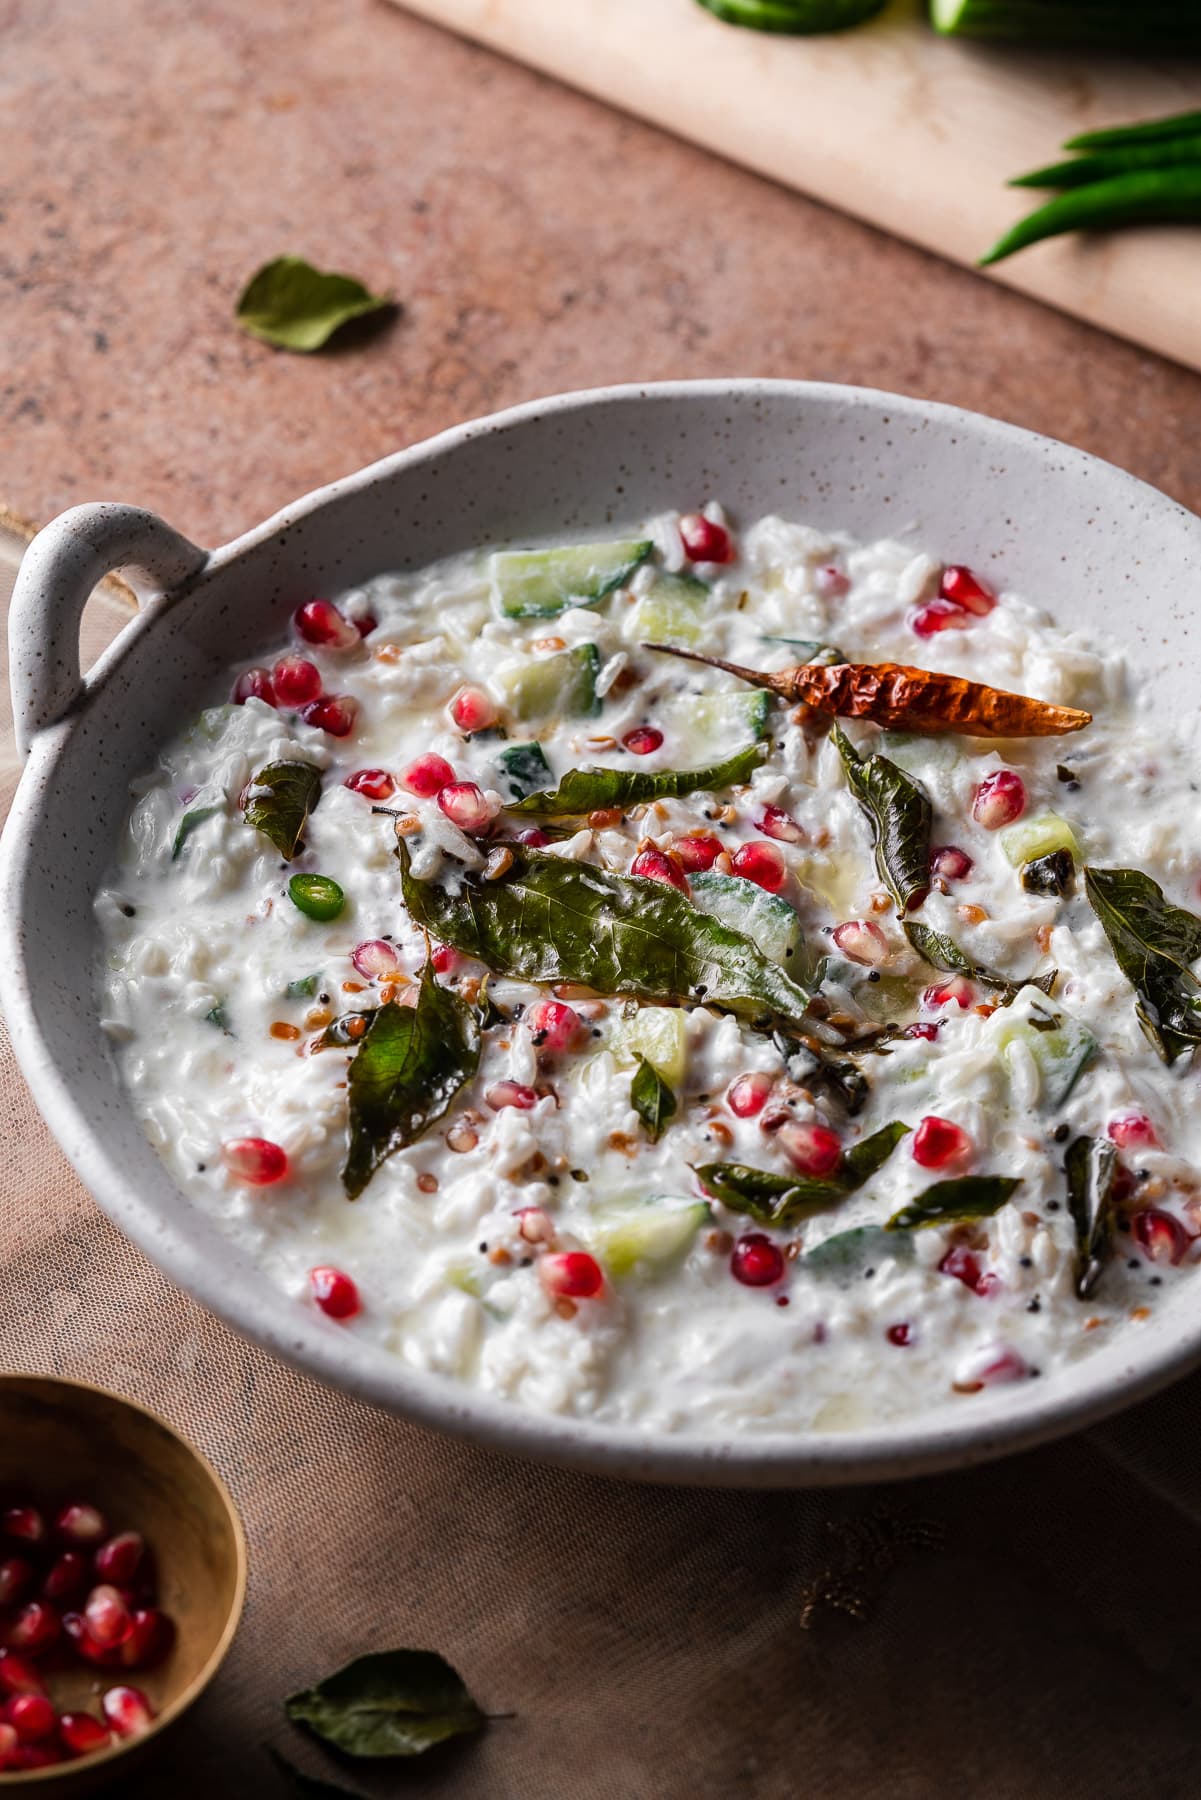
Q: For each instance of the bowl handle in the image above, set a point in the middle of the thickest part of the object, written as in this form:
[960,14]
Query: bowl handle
[58,572]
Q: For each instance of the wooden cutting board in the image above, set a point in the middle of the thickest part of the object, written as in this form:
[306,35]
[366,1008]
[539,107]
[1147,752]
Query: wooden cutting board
[907,130]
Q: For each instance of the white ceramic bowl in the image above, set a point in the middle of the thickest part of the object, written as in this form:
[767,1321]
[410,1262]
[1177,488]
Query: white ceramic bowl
[1075,534]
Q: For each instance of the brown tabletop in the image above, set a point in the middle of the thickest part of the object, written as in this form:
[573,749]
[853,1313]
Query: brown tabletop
[1028,1630]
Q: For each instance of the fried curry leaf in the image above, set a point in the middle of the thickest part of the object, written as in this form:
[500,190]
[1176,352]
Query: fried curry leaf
[292,305]
[953,1202]
[1153,943]
[786,1199]
[585,790]
[278,802]
[410,1063]
[900,815]
[1090,1166]
[392,1703]
[942,952]
[652,1098]
[548,919]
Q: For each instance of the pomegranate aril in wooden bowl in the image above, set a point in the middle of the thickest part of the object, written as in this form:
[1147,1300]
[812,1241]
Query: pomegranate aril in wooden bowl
[123,1566]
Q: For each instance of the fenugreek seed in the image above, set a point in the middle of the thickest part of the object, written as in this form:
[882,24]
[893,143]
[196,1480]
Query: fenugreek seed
[601,743]
[1042,938]
[604,818]
[407,824]
[720,1132]
[821,837]
[727,814]
[967,1387]
[428,1184]
[566,1309]
[318,1018]
[792,1250]
[549,643]
[500,1256]
[720,1242]
[287,1032]
[499,862]
[724,863]
[461,1137]
[971,914]
[880,902]
[388,653]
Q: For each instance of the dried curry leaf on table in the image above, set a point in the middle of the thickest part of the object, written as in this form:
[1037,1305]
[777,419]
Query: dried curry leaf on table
[942,952]
[1154,945]
[586,790]
[410,1063]
[391,1703]
[908,699]
[783,1200]
[900,815]
[278,801]
[293,306]
[652,1099]
[1090,1166]
[955,1202]
[549,919]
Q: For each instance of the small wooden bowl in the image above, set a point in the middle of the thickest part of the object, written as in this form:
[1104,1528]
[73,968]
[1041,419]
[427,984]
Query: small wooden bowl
[64,1440]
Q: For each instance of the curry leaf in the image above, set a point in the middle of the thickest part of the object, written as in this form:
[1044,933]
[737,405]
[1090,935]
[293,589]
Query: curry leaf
[294,306]
[585,790]
[278,802]
[785,1199]
[1153,944]
[651,1098]
[410,1063]
[548,919]
[850,1252]
[899,813]
[952,1202]
[392,1703]
[187,825]
[941,952]
[1090,1165]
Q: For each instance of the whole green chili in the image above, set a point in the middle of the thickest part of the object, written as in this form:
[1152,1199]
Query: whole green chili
[1136,198]
[1115,137]
[1083,170]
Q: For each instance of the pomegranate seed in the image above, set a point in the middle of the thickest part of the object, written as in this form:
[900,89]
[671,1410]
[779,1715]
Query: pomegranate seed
[81,1525]
[128,1711]
[643,740]
[654,865]
[937,1142]
[473,710]
[927,1029]
[427,776]
[963,588]
[320,622]
[334,713]
[1161,1236]
[704,540]
[693,853]
[254,1160]
[464,805]
[552,1025]
[950,863]
[107,1618]
[445,959]
[66,1576]
[748,1095]
[776,823]
[16,1579]
[18,1675]
[8,1744]
[962,1264]
[571,1275]
[32,1717]
[832,582]
[1133,1131]
[900,1335]
[86,1645]
[861,941]
[958,991]
[534,836]
[335,1293]
[373,784]
[295,680]
[510,1093]
[34,1629]
[938,615]
[24,1524]
[1001,1364]
[756,1261]
[375,958]
[761,863]
[1000,799]
[253,684]
[365,624]
[34,1756]
[151,1636]
[118,1561]
[811,1149]
[82,1734]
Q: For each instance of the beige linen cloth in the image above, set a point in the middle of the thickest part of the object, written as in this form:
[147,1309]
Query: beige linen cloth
[1028,1630]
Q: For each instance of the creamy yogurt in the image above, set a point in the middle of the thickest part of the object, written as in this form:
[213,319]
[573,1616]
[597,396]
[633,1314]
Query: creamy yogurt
[216,990]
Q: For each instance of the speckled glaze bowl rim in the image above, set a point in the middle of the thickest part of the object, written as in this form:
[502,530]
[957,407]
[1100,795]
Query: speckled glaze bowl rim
[909,1447]
[87,1767]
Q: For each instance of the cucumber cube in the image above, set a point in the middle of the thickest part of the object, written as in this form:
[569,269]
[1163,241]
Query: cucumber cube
[709,727]
[537,584]
[558,686]
[765,918]
[1061,1046]
[670,612]
[660,1033]
[645,1237]
[1042,835]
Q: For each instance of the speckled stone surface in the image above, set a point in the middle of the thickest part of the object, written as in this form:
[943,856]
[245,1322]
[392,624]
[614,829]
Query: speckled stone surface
[537,241]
